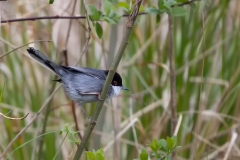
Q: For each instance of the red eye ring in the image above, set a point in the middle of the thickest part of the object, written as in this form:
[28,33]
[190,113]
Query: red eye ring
[115,83]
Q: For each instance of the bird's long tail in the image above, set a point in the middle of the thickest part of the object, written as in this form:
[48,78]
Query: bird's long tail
[40,57]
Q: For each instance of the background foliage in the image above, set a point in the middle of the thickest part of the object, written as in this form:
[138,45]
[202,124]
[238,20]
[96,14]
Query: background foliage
[207,67]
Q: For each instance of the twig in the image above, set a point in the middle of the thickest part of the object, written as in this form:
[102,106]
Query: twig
[187,3]
[1,56]
[70,25]
[85,47]
[11,118]
[29,124]
[178,125]
[41,18]
[231,144]
[123,45]
[76,122]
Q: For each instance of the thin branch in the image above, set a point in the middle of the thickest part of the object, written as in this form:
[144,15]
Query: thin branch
[188,3]
[70,25]
[178,125]
[11,118]
[231,144]
[85,47]
[1,56]
[29,124]
[123,45]
[52,17]
[41,18]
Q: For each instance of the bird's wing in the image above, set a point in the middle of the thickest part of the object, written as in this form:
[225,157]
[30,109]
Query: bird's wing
[83,83]
[96,73]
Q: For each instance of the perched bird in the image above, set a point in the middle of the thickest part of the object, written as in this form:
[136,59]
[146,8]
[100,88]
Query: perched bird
[82,85]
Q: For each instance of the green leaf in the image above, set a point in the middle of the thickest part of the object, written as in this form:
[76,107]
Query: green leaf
[154,145]
[179,11]
[99,156]
[144,154]
[142,9]
[175,148]
[167,5]
[101,151]
[124,5]
[108,7]
[94,12]
[90,156]
[109,20]
[170,143]
[171,2]
[193,6]
[163,143]
[51,1]
[99,30]
[169,157]
[65,129]
[158,18]
[112,14]
[160,4]
[153,10]
[174,138]
[1,95]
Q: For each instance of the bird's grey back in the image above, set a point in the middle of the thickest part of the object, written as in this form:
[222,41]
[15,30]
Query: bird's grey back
[95,73]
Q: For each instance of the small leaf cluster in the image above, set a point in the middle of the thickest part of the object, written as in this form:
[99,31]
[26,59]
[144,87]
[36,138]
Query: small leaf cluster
[51,1]
[162,149]
[128,7]
[71,134]
[95,155]
[110,15]
[169,6]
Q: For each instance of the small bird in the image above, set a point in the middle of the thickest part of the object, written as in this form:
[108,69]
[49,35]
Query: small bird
[82,85]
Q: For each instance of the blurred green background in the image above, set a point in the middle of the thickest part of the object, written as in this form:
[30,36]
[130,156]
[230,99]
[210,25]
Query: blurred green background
[207,60]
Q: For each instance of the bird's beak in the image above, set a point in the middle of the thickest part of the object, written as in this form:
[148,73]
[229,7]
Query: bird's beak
[124,88]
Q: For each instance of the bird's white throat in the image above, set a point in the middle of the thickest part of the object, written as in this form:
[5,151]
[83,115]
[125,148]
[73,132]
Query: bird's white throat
[116,91]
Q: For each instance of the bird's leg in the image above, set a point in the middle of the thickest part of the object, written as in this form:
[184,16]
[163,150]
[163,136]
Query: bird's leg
[89,118]
[93,93]
[99,97]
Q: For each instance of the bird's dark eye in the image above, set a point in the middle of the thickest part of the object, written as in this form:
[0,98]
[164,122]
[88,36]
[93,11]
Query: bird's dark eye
[115,83]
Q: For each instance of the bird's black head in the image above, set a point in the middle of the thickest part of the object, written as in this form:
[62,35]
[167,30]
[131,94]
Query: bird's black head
[117,80]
